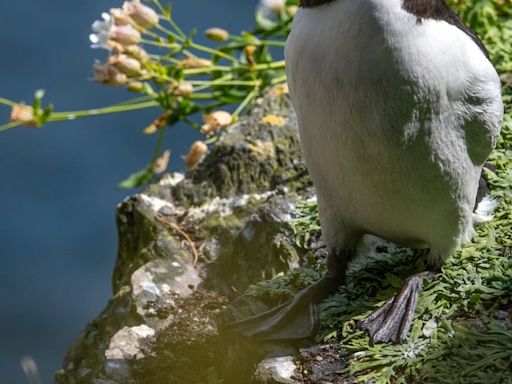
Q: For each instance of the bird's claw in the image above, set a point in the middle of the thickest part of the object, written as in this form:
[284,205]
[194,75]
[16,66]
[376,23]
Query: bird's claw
[392,321]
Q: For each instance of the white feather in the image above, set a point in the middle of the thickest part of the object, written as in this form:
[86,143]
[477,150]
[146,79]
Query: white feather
[485,210]
[396,119]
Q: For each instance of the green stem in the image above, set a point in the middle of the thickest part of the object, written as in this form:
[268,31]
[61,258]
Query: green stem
[202,71]
[224,68]
[278,80]
[251,83]
[171,60]
[158,146]
[160,7]
[214,82]
[273,43]
[192,123]
[10,125]
[187,53]
[136,100]
[273,65]
[8,102]
[169,32]
[244,103]
[214,52]
[131,105]
[201,96]
[176,28]
[167,17]
[61,116]
[154,35]
[161,45]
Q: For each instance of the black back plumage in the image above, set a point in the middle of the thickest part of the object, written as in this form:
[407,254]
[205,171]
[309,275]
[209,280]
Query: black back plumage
[423,9]
[439,10]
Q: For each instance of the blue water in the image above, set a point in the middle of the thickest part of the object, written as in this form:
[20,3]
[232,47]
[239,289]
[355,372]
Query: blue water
[57,184]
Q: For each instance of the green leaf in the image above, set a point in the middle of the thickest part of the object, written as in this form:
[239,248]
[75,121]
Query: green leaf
[167,11]
[137,179]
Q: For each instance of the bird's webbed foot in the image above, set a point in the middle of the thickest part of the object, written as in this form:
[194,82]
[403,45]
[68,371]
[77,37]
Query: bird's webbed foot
[392,321]
[296,319]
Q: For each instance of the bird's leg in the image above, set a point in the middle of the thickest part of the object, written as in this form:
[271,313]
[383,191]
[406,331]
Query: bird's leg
[392,321]
[298,318]
[418,254]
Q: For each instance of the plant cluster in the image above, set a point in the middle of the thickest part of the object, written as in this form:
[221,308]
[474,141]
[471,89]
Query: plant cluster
[150,55]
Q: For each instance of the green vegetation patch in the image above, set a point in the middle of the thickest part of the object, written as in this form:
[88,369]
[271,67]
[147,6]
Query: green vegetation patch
[462,332]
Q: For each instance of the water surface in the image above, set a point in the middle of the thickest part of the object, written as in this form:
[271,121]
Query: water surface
[58,194]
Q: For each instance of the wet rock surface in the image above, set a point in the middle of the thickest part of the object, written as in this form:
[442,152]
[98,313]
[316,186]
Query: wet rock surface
[190,244]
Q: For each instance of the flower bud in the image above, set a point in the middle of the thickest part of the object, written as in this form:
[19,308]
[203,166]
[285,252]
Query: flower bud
[215,121]
[126,64]
[125,34]
[184,90]
[144,16]
[114,46]
[217,34]
[249,55]
[158,123]
[195,62]
[135,86]
[292,10]
[180,89]
[162,162]
[150,129]
[108,74]
[138,52]
[23,114]
[120,17]
[273,5]
[196,153]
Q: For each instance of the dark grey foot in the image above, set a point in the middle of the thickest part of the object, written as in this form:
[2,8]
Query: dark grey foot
[392,321]
[296,319]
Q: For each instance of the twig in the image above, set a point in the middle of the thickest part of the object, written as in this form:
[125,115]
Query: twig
[176,227]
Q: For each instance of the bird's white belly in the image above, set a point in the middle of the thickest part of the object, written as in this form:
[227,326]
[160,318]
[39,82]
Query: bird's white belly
[381,144]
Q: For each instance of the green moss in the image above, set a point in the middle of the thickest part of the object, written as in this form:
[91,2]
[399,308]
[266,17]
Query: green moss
[235,166]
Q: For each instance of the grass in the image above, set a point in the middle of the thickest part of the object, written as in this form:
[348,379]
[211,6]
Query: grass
[462,332]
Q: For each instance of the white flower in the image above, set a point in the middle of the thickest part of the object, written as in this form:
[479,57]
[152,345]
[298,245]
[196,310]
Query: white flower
[107,33]
[102,30]
[270,7]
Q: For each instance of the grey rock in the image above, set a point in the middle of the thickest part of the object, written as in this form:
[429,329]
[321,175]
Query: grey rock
[156,285]
[130,343]
[276,370]
[189,244]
